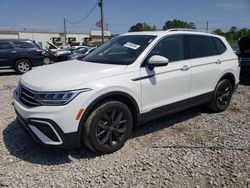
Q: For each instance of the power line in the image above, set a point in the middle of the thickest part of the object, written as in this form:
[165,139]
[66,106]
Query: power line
[85,17]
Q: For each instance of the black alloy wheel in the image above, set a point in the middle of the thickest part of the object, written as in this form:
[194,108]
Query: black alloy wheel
[222,96]
[108,127]
[111,128]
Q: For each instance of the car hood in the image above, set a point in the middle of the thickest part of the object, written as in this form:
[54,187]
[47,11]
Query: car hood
[67,75]
[244,44]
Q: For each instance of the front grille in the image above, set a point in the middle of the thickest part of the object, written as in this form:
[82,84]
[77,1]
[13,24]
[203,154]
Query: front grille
[27,97]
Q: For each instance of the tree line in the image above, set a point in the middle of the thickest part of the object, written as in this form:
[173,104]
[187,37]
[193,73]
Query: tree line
[233,34]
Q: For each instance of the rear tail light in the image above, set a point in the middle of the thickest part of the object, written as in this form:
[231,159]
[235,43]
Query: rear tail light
[40,51]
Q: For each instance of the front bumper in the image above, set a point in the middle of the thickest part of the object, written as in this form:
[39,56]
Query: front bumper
[52,125]
[48,133]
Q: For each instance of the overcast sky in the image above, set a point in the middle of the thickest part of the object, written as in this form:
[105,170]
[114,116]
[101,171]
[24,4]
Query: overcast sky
[121,14]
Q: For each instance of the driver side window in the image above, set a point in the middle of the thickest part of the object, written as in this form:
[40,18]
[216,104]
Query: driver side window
[169,47]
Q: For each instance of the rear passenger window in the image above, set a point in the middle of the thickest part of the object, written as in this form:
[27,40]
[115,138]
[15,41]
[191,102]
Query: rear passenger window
[5,45]
[221,48]
[170,47]
[200,46]
[24,45]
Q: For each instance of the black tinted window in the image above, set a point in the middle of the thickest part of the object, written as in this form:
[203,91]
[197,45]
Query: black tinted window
[5,45]
[170,47]
[200,46]
[24,45]
[221,48]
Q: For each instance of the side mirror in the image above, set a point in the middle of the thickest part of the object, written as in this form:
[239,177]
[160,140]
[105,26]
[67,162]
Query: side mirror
[157,61]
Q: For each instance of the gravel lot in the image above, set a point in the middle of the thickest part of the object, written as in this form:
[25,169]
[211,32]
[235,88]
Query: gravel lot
[193,148]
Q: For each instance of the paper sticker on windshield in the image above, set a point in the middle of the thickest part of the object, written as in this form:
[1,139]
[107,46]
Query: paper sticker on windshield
[132,45]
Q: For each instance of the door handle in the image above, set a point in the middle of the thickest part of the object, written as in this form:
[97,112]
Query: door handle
[184,68]
[218,62]
[13,52]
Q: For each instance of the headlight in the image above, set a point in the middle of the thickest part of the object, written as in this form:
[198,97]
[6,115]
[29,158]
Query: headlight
[57,98]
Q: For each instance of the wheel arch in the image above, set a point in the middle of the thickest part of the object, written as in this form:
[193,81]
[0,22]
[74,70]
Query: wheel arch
[229,76]
[20,58]
[121,96]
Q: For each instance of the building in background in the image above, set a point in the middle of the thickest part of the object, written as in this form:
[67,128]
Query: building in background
[91,38]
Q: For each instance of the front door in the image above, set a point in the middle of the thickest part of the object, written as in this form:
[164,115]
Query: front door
[166,88]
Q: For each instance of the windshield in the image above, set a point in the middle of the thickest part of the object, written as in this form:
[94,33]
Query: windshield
[121,50]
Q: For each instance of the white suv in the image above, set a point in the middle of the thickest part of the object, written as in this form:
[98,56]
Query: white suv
[131,79]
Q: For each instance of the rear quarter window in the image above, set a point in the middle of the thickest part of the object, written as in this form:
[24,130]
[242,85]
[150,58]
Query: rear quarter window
[200,46]
[221,48]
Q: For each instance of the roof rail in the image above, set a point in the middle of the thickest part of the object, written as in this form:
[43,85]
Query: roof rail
[181,29]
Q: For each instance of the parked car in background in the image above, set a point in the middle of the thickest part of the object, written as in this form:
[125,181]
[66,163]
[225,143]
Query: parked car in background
[52,47]
[54,54]
[81,53]
[49,57]
[244,53]
[129,80]
[74,48]
[20,54]
[62,55]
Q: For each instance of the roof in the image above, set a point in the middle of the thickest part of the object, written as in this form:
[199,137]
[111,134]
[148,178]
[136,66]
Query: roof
[154,33]
[15,39]
[171,31]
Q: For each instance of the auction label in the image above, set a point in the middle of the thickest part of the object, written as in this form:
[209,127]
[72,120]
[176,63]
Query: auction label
[132,45]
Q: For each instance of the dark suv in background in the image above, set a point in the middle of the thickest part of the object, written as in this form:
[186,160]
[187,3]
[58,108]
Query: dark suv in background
[244,53]
[20,54]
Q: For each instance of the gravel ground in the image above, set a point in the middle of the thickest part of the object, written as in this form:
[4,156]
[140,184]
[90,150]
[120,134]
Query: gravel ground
[193,148]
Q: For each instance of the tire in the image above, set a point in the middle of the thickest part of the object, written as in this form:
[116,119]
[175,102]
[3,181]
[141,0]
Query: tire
[22,66]
[108,127]
[222,96]
[47,61]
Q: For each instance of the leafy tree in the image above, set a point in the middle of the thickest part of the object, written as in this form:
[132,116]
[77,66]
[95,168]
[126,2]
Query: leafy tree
[233,29]
[233,34]
[142,27]
[178,24]
[218,32]
[244,32]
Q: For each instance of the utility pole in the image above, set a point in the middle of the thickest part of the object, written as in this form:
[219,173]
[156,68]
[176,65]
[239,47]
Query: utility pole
[102,19]
[207,27]
[65,32]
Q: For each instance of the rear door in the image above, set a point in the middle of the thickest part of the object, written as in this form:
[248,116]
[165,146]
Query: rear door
[204,63]
[7,54]
[28,49]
